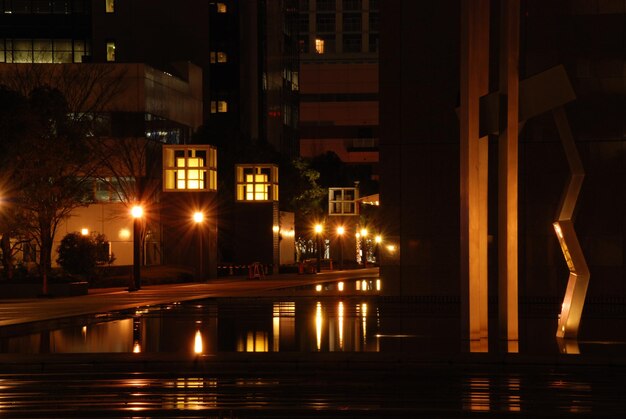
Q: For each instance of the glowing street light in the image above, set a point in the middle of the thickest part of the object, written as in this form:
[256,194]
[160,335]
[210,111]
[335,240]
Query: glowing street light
[198,218]
[137,213]
[318,234]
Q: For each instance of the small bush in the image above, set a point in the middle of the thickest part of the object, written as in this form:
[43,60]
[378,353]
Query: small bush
[78,254]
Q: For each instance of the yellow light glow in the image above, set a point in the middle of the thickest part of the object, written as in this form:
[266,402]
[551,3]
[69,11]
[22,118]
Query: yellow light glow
[391,248]
[358,235]
[124,234]
[257,187]
[318,324]
[378,239]
[137,347]
[319,46]
[84,231]
[318,288]
[275,229]
[364,321]
[341,230]
[318,228]
[189,179]
[340,318]
[364,285]
[364,232]
[197,345]
[340,286]
[378,285]
[198,217]
[557,230]
[136,211]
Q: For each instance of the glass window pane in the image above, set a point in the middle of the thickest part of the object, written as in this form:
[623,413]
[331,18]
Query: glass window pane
[110,51]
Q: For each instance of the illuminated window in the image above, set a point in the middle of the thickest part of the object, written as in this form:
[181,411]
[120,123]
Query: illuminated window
[257,182]
[110,51]
[219,106]
[189,168]
[221,8]
[319,46]
[110,6]
[218,57]
[343,201]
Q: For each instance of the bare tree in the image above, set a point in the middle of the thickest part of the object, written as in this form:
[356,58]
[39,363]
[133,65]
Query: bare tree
[47,118]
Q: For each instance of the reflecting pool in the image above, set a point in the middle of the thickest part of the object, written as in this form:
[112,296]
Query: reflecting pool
[327,317]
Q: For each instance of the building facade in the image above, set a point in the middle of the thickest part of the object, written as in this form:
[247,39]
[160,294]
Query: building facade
[420,187]
[339,80]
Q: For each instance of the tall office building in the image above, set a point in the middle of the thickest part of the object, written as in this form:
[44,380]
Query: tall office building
[339,80]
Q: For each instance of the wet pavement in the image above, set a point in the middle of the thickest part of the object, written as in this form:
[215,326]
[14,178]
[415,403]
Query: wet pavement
[23,311]
[344,383]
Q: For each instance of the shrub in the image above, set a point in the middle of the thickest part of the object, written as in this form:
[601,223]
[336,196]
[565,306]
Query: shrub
[77,254]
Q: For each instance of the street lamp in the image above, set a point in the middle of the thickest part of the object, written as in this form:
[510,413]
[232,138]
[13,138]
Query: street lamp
[136,212]
[318,234]
[364,247]
[198,218]
[340,231]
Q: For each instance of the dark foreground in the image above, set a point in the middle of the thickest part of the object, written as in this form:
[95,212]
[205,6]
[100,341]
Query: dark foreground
[318,385]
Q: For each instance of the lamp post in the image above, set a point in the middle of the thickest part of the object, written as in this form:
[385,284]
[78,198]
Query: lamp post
[198,218]
[340,231]
[318,234]
[137,213]
[364,247]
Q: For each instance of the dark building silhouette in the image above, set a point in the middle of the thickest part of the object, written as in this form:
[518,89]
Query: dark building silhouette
[419,94]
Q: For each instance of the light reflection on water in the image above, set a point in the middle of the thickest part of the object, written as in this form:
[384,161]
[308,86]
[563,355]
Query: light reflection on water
[324,318]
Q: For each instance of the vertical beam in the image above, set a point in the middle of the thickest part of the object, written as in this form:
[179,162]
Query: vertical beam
[508,172]
[474,83]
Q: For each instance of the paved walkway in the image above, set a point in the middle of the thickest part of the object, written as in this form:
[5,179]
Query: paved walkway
[20,311]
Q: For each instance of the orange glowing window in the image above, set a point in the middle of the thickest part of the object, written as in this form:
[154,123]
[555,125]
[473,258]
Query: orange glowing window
[319,46]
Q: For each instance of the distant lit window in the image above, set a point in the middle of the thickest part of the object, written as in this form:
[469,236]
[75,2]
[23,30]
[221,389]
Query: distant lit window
[218,57]
[257,182]
[110,6]
[189,168]
[110,51]
[219,106]
[319,46]
[221,8]
[343,201]
[42,50]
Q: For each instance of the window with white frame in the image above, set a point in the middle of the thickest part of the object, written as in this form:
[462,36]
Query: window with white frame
[189,168]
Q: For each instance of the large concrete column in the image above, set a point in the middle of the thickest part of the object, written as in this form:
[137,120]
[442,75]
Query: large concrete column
[473,168]
[508,173]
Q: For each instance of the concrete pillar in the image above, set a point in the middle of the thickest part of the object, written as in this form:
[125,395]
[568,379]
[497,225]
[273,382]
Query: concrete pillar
[473,168]
[508,172]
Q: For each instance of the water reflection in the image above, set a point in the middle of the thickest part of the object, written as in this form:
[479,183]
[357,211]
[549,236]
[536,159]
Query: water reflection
[356,319]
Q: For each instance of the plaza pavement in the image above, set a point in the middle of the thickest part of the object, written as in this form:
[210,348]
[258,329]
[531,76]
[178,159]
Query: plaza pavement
[20,312]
